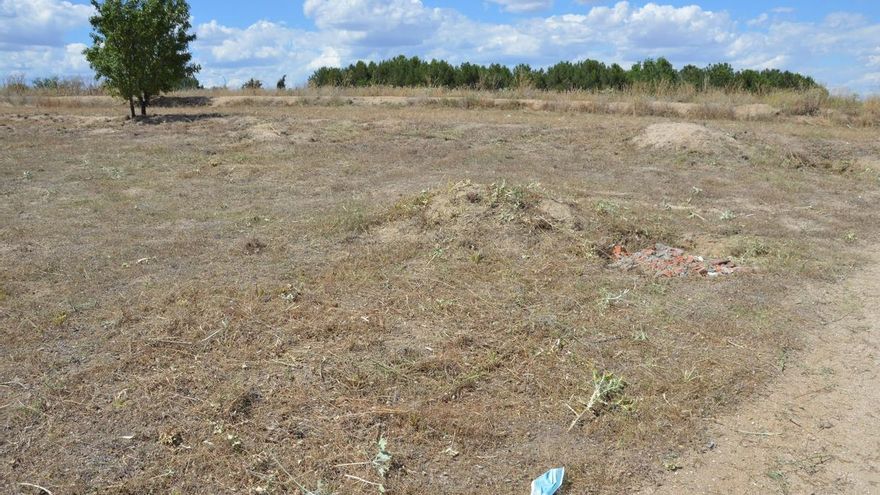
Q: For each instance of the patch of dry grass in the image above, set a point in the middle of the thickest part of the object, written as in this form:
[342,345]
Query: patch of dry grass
[190,309]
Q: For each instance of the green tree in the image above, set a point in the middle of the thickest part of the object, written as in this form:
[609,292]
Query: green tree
[523,77]
[693,75]
[495,77]
[720,75]
[188,83]
[439,73]
[140,48]
[590,75]
[358,74]
[252,84]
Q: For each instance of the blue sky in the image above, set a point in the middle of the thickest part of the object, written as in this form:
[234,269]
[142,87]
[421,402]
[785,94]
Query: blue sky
[242,13]
[836,42]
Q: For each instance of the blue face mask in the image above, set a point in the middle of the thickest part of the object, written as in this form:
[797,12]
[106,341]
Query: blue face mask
[549,482]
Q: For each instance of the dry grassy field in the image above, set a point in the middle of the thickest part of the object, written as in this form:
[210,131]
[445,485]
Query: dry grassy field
[330,297]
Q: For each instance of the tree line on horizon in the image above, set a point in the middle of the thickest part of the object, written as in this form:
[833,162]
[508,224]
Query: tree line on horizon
[587,74]
[141,49]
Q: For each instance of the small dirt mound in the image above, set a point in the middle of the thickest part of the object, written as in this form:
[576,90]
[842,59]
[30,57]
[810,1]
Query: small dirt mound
[670,262]
[469,202]
[470,220]
[263,133]
[683,135]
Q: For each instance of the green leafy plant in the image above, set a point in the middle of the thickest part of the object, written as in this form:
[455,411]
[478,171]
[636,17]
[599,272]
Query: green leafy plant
[502,194]
[608,391]
[382,461]
[140,48]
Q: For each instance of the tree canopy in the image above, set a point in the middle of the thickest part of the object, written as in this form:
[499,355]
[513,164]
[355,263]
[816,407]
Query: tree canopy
[140,48]
[563,76]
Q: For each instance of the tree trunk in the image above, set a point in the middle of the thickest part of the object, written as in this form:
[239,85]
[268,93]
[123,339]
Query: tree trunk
[131,105]
[143,104]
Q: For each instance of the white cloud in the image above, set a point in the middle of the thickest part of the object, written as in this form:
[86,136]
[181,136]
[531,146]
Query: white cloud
[841,49]
[377,23]
[349,30]
[40,22]
[761,20]
[843,20]
[868,83]
[520,6]
[264,50]
[45,60]
[328,58]
[874,57]
[32,37]
[623,33]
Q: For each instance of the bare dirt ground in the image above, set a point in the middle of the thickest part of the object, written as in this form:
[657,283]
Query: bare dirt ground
[817,429]
[343,298]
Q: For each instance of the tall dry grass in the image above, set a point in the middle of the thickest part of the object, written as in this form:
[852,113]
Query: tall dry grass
[712,104]
[637,99]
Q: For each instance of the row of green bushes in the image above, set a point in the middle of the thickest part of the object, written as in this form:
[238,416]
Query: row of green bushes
[565,76]
[18,84]
[73,85]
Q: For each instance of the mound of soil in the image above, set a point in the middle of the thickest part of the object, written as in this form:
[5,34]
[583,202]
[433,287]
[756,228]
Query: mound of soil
[263,132]
[480,217]
[469,203]
[683,135]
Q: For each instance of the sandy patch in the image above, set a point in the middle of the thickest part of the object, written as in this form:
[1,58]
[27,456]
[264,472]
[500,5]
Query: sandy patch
[683,135]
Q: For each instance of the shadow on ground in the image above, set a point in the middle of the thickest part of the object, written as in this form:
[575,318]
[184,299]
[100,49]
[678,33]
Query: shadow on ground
[175,118]
[181,101]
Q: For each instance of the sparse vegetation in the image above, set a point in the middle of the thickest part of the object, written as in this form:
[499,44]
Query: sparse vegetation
[15,84]
[662,100]
[346,297]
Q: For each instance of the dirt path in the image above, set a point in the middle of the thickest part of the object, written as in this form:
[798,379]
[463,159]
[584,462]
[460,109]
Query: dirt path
[819,431]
